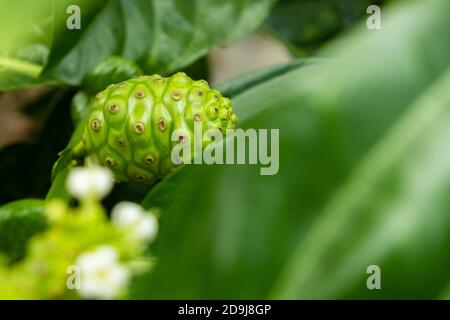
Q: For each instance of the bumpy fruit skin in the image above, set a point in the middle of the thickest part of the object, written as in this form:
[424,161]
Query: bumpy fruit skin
[130,125]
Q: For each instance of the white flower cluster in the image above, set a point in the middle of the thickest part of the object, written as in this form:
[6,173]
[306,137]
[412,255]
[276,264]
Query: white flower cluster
[102,274]
[90,182]
[143,225]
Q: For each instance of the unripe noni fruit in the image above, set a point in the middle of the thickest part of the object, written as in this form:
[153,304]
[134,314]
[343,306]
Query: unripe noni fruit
[130,125]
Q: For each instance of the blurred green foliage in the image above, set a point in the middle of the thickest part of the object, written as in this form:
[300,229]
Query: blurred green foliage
[364,162]
[364,179]
[306,25]
[19,221]
[161,36]
[62,235]
[111,70]
[25,33]
[25,169]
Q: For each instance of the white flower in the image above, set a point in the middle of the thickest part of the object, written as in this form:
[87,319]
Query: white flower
[102,276]
[125,213]
[92,181]
[147,228]
[142,224]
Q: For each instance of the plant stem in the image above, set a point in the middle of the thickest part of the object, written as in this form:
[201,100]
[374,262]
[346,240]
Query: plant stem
[21,66]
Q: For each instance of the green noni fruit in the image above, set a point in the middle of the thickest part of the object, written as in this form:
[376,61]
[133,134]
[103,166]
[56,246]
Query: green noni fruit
[130,124]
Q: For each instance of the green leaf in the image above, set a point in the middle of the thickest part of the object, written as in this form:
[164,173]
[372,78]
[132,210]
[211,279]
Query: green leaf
[108,71]
[16,73]
[364,179]
[246,81]
[305,25]
[25,30]
[395,197]
[80,106]
[64,163]
[60,173]
[19,221]
[161,35]
[445,295]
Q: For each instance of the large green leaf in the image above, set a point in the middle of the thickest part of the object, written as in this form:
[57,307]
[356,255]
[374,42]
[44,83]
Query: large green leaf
[161,35]
[392,211]
[446,293]
[19,221]
[305,25]
[25,33]
[364,174]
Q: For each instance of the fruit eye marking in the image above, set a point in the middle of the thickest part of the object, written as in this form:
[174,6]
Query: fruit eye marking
[198,117]
[121,142]
[176,95]
[96,125]
[113,108]
[139,94]
[139,128]
[162,124]
[149,159]
[140,177]
[109,162]
[199,93]
[158,78]
[213,112]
